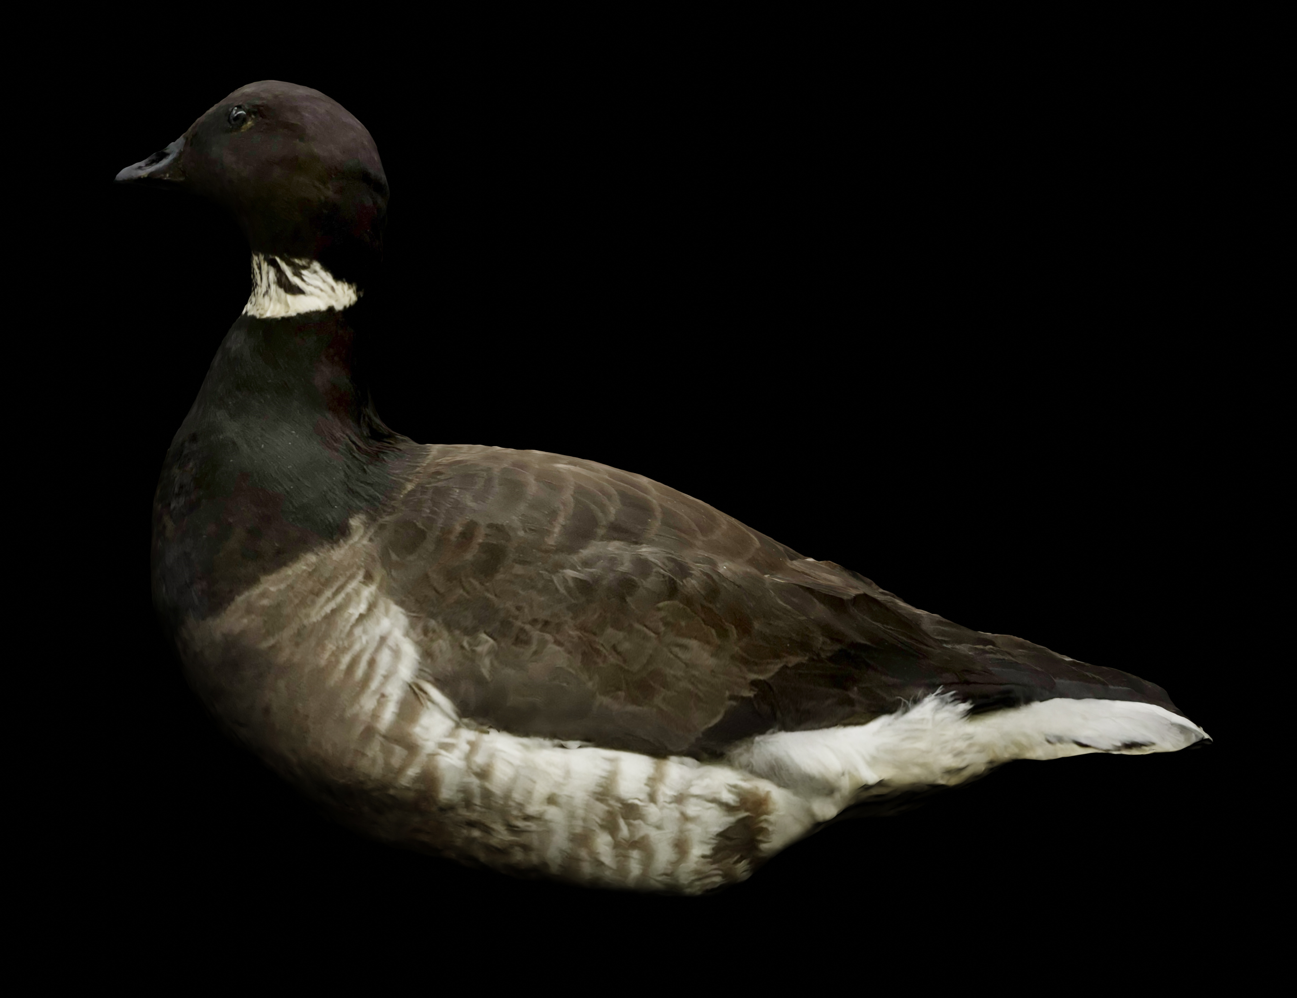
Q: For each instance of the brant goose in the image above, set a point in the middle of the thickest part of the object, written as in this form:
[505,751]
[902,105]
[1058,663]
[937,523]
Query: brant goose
[530,661]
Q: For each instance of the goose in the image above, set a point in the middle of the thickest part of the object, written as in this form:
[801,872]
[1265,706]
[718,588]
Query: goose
[523,660]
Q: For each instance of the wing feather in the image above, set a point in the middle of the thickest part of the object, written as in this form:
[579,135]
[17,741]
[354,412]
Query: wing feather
[564,598]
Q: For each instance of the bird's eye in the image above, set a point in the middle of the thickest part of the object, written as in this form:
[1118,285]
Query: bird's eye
[237,115]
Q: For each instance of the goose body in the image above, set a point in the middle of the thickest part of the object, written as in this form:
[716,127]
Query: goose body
[530,661]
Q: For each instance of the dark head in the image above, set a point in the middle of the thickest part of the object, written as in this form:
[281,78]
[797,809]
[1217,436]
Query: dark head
[299,173]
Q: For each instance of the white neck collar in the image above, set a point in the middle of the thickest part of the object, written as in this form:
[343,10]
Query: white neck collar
[283,286]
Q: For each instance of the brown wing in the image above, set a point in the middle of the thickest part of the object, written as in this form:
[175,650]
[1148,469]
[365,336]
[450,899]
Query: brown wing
[559,597]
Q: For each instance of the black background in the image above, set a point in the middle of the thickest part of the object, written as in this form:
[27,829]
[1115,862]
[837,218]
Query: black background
[917,303]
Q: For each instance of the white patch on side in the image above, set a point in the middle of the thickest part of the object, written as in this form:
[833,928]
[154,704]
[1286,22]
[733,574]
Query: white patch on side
[328,691]
[938,743]
[283,286]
